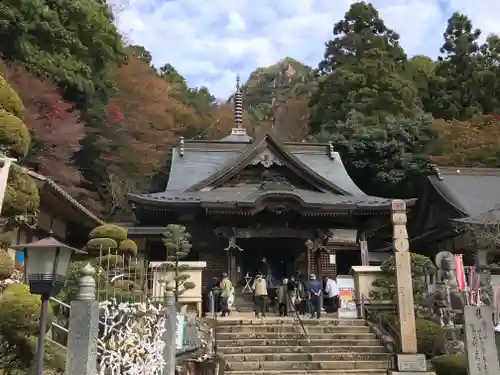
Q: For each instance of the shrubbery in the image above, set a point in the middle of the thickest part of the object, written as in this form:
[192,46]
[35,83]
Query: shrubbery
[21,196]
[450,365]
[385,287]
[9,100]
[110,253]
[6,265]
[19,326]
[107,237]
[430,337]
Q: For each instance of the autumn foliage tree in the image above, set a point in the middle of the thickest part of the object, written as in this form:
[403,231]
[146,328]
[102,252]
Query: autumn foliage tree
[472,143]
[292,119]
[145,120]
[54,124]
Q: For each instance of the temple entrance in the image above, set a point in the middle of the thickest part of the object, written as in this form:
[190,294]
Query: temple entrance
[276,258]
[345,259]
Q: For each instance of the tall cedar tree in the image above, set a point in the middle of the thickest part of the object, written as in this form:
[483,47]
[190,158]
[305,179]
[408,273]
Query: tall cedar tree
[54,124]
[456,90]
[367,109]
[361,72]
[490,75]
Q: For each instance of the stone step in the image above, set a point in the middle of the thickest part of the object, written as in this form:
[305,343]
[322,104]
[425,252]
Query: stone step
[305,357]
[292,335]
[309,372]
[296,342]
[292,328]
[230,321]
[310,365]
[301,349]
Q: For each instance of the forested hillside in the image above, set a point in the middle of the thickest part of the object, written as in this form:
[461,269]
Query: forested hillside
[102,118]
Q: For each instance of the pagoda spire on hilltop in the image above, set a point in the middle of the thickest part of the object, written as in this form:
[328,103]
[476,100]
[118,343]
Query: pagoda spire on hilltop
[238,105]
[238,133]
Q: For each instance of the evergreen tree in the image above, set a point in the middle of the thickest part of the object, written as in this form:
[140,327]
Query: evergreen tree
[490,75]
[421,70]
[177,243]
[456,88]
[361,71]
[384,160]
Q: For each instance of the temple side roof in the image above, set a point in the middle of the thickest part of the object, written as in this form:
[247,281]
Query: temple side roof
[47,185]
[471,191]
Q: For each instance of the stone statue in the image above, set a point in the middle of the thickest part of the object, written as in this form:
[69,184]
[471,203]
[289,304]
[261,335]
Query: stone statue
[446,300]
[445,262]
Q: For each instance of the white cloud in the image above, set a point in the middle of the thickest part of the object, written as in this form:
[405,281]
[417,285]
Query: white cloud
[209,42]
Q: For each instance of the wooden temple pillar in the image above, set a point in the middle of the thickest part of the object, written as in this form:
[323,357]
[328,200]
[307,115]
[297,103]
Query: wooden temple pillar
[233,268]
[363,247]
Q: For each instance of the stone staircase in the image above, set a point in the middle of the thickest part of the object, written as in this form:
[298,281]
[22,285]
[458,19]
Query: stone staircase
[272,345]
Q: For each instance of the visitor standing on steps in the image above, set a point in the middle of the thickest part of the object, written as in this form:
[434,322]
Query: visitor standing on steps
[283,298]
[292,293]
[332,294]
[259,288]
[226,287]
[315,287]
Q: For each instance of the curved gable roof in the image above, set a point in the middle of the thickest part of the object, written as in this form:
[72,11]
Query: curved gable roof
[290,160]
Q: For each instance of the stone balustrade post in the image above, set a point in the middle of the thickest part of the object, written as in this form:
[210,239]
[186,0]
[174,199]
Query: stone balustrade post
[83,327]
[170,332]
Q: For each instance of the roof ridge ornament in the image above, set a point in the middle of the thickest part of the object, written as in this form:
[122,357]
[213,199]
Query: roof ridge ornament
[331,151]
[435,170]
[181,146]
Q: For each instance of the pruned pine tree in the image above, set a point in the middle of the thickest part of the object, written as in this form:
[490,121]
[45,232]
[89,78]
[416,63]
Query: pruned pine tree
[177,243]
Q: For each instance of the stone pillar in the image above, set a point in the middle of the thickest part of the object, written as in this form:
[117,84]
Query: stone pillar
[169,335]
[408,360]
[83,327]
[363,246]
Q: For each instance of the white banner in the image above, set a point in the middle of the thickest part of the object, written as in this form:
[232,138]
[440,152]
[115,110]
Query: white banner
[179,332]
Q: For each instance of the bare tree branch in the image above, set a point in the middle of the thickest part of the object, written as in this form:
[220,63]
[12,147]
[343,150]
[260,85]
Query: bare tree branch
[117,188]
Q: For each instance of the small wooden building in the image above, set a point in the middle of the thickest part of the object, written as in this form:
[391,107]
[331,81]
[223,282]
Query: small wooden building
[69,221]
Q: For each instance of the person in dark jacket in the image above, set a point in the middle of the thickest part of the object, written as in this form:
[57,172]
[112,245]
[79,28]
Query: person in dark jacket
[283,298]
[213,286]
[315,288]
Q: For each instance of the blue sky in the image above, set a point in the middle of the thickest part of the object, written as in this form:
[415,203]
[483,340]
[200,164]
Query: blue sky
[210,41]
